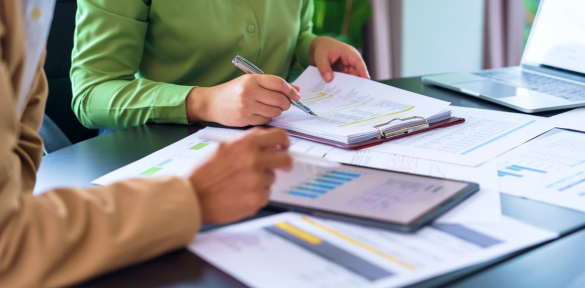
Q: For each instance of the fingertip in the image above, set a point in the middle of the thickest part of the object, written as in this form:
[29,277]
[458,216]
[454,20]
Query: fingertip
[297,96]
[328,76]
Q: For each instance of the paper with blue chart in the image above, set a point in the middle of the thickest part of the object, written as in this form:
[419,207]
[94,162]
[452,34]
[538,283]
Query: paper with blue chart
[179,158]
[482,207]
[550,168]
[295,250]
[484,135]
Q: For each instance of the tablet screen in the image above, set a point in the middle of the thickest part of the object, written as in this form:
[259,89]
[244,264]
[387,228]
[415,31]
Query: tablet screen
[363,192]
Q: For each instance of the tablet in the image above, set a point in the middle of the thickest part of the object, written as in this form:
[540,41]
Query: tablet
[367,196]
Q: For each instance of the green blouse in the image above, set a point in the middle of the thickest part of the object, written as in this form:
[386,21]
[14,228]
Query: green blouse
[135,61]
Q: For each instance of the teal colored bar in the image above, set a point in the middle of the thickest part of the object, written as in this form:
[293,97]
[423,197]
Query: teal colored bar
[337,178]
[306,195]
[329,182]
[346,174]
[321,186]
[312,190]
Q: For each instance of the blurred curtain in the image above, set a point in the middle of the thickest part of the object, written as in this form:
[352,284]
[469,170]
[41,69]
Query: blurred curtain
[503,33]
[383,39]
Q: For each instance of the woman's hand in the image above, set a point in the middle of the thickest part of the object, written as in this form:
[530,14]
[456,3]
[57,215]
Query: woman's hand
[246,100]
[235,182]
[331,55]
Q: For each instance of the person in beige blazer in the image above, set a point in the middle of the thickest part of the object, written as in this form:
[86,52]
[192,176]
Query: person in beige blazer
[69,235]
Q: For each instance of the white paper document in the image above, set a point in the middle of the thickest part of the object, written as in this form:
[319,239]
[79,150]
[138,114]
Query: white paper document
[482,207]
[550,169]
[179,158]
[484,135]
[574,119]
[293,250]
[349,106]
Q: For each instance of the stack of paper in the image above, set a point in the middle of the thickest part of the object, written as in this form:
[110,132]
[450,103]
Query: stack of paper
[349,107]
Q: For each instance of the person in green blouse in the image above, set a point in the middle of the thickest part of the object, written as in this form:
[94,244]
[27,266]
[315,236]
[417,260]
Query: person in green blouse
[161,61]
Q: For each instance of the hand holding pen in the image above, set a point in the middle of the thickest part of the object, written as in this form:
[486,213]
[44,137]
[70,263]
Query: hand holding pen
[250,68]
[247,100]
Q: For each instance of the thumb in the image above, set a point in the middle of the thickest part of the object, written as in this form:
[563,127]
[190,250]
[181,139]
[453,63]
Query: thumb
[324,68]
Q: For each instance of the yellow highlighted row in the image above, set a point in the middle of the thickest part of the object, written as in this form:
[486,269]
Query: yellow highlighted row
[299,233]
[412,107]
[360,244]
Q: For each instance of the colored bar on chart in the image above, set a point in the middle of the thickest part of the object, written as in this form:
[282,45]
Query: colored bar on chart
[525,168]
[316,185]
[578,163]
[301,194]
[514,168]
[199,146]
[329,181]
[572,185]
[151,171]
[322,248]
[337,178]
[503,173]
[164,162]
[354,175]
[312,190]
[467,234]
[360,244]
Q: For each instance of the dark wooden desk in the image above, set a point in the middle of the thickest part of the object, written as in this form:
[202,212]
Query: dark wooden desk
[81,163]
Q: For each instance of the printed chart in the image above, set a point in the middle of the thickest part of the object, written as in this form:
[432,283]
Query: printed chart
[550,168]
[292,250]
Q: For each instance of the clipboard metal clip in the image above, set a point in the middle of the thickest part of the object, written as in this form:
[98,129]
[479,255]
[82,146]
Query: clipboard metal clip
[400,131]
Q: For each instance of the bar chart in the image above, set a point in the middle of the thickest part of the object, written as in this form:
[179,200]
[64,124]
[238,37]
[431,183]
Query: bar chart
[518,171]
[323,184]
[151,171]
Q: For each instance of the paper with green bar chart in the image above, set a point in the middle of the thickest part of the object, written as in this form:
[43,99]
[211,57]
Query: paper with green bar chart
[550,168]
[349,106]
[294,250]
[179,158]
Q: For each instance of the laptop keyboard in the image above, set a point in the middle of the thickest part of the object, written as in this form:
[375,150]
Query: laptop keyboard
[555,87]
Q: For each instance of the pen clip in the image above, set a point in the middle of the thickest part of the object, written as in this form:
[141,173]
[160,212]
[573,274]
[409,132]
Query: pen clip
[405,130]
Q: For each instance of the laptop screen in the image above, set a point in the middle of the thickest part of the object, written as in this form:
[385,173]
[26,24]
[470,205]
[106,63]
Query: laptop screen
[558,36]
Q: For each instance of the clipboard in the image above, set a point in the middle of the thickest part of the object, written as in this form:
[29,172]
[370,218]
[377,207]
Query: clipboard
[384,135]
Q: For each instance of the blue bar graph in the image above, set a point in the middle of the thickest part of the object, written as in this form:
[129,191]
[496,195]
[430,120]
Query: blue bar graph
[328,187]
[572,185]
[528,169]
[323,184]
[337,178]
[164,162]
[346,174]
[329,181]
[503,173]
[300,194]
[312,190]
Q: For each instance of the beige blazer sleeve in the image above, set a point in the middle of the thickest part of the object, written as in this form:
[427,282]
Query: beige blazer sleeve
[69,235]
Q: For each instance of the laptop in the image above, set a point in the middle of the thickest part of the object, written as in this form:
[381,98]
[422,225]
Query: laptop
[551,75]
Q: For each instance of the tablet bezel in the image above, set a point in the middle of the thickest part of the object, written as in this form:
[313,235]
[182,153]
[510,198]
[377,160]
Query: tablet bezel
[415,225]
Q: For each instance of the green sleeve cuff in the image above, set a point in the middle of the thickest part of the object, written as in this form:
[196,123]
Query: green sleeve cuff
[302,49]
[169,104]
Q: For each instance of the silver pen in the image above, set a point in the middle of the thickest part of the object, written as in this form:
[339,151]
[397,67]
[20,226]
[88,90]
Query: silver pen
[250,68]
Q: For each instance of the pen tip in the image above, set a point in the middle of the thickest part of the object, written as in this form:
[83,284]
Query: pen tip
[313,113]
